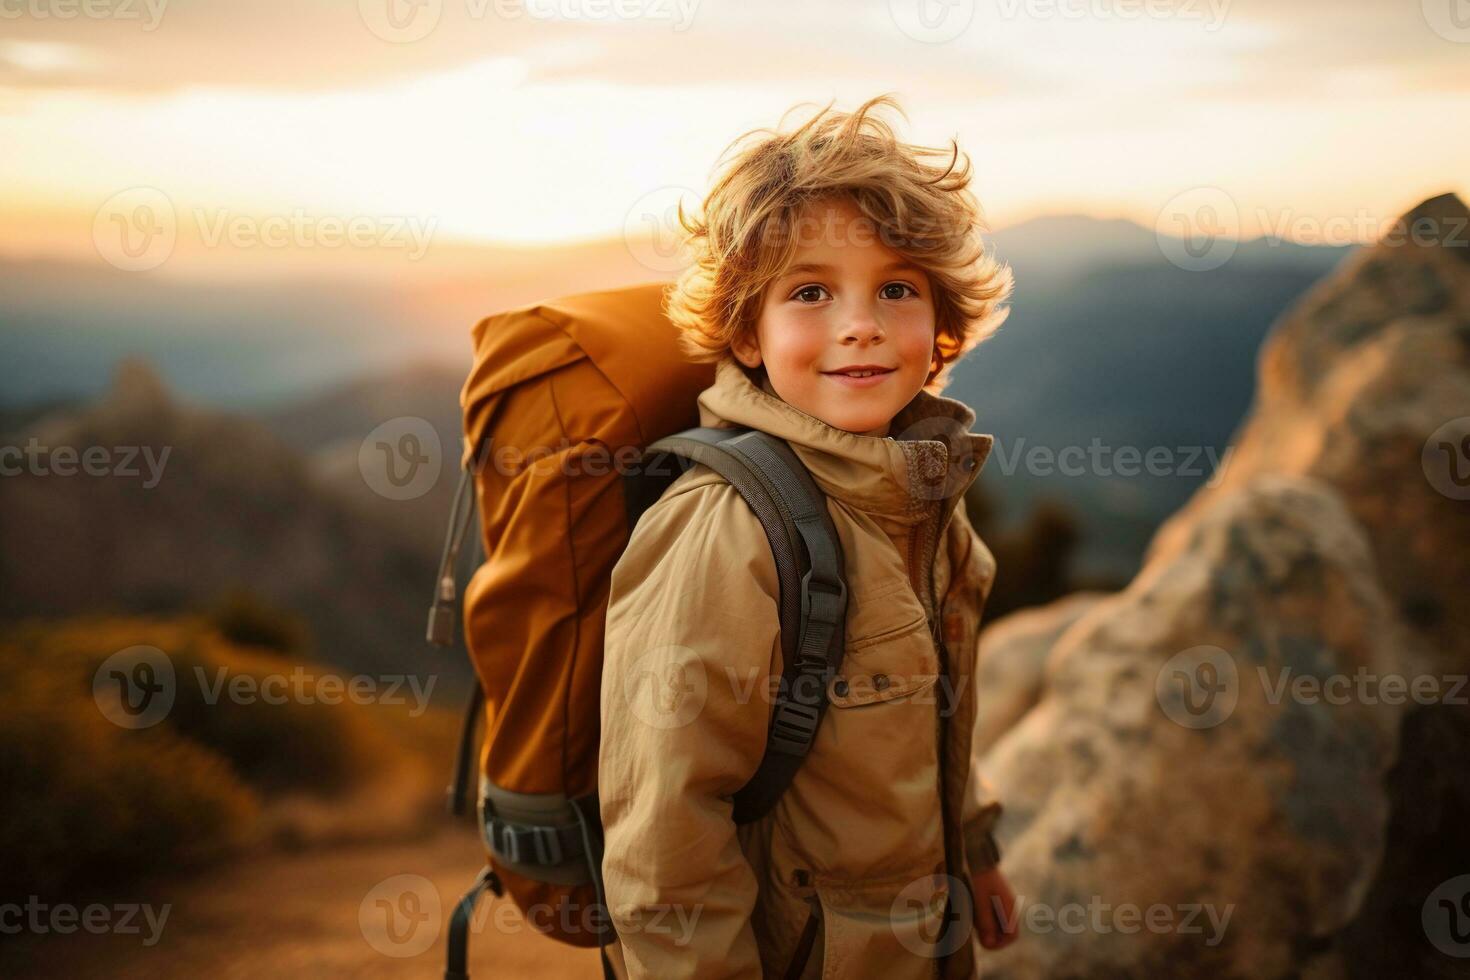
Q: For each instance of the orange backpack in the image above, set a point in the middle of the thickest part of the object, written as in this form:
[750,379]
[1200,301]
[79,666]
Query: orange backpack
[578,413]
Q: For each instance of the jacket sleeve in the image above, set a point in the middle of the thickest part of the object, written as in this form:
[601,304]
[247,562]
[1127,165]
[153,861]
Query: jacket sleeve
[692,642]
[982,809]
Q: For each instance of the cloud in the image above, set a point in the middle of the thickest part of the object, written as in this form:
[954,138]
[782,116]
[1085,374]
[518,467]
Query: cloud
[1010,48]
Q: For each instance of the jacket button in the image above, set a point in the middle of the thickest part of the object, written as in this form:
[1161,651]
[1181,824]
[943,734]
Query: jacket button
[840,686]
[880,681]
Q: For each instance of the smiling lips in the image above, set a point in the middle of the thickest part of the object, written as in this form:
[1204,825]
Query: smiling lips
[860,375]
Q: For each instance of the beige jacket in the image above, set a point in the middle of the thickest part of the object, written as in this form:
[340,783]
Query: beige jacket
[883,819]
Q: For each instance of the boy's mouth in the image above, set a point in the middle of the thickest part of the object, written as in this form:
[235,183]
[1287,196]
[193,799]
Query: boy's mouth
[860,375]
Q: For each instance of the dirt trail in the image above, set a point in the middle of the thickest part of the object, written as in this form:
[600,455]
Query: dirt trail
[342,912]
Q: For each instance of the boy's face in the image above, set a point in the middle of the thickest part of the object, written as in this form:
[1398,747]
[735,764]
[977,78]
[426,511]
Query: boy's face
[847,300]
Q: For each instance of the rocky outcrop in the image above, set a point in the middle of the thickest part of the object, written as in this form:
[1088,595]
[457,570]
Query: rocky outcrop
[1364,385]
[1009,683]
[1227,766]
[142,502]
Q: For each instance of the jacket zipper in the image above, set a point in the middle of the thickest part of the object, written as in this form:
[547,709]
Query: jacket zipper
[944,707]
[805,946]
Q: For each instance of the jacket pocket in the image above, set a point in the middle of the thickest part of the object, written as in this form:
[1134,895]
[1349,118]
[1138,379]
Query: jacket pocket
[887,928]
[896,664]
[874,768]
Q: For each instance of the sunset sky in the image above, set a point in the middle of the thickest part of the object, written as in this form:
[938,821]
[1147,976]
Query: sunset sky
[502,122]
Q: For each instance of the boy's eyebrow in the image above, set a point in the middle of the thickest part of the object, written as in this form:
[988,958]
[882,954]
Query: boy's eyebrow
[895,266]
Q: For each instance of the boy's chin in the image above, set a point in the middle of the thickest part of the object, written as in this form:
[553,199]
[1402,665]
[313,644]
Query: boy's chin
[859,426]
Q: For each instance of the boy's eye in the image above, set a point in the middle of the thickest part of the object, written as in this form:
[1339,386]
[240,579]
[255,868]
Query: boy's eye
[892,290]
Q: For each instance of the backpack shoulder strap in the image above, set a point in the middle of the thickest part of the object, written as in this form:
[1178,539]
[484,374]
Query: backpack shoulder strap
[809,568]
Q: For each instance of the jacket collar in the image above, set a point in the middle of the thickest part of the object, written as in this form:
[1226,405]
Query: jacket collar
[931,455]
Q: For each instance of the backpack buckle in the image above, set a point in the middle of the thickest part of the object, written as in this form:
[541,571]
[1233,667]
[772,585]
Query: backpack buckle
[526,844]
[522,843]
[793,727]
[824,605]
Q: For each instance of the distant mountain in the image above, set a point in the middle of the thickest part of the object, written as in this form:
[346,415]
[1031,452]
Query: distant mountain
[185,504]
[329,430]
[1107,339]
[348,412]
[1066,245]
[256,343]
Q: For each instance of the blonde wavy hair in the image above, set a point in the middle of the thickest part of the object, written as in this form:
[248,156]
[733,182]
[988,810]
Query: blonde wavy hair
[744,240]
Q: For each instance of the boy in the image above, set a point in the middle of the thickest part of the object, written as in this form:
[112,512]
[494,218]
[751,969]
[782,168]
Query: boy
[836,277]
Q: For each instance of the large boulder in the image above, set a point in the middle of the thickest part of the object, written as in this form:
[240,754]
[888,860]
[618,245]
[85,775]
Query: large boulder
[1366,384]
[1248,762]
[1009,683]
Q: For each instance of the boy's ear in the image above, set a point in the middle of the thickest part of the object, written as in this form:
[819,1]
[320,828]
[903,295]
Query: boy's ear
[746,349]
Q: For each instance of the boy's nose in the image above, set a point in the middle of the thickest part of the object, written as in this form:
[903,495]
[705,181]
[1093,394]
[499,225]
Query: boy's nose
[862,325]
